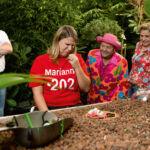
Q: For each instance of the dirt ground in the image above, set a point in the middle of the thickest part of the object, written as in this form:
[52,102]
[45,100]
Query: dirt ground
[129,131]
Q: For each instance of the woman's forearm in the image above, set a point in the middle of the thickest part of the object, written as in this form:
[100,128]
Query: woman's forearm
[39,99]
[5,48]
[83,80]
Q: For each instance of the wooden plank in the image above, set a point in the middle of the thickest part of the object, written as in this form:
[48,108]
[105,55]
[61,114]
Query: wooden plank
[6,119]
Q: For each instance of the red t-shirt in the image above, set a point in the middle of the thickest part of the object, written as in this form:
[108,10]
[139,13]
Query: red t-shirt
[62,88]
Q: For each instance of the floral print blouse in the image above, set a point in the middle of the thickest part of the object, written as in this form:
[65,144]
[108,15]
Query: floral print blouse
[140,72]
[108,82]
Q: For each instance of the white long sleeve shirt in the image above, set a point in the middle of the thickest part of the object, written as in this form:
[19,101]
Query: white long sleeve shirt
[3,39]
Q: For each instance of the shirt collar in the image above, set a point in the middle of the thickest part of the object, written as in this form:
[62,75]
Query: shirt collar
[113,59]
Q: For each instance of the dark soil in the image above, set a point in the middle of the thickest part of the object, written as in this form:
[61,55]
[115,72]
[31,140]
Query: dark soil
[129,131]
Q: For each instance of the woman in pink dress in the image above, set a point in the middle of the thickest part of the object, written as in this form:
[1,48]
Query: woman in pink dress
[140,71]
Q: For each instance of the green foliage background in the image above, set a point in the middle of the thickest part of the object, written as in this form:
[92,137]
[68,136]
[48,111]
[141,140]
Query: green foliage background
[31,25]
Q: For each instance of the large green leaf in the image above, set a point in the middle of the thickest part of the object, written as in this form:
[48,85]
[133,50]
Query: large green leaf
[11,79]
[147,7]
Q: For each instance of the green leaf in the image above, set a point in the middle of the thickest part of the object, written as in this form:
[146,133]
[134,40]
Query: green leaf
[147,7]
[11,79]
[11,102]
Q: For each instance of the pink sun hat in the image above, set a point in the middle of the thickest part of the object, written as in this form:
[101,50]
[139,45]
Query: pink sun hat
[109,39]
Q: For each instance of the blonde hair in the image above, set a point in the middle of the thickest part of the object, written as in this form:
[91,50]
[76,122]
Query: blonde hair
[63,32]
[145,26]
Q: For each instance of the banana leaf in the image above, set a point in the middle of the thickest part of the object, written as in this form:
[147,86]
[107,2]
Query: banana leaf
[147,7]
[11,79]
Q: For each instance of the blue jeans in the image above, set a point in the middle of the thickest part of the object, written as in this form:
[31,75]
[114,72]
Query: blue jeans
[2,101]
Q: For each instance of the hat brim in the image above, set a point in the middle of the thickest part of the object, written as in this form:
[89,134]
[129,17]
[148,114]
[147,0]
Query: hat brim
[115,44]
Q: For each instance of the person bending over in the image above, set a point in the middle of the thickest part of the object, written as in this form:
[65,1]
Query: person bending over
[65,72]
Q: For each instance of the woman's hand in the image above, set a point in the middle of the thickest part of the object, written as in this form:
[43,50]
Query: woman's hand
[73,59]
[83,80]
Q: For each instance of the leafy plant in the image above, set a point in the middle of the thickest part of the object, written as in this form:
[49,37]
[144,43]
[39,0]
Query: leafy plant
[11,79]
[99,27]
[147,7]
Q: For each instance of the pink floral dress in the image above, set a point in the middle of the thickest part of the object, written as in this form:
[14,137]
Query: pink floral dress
[140,72]
[108,82]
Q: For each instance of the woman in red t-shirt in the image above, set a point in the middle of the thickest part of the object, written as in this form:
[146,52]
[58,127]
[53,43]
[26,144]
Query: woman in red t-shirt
[64,70]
